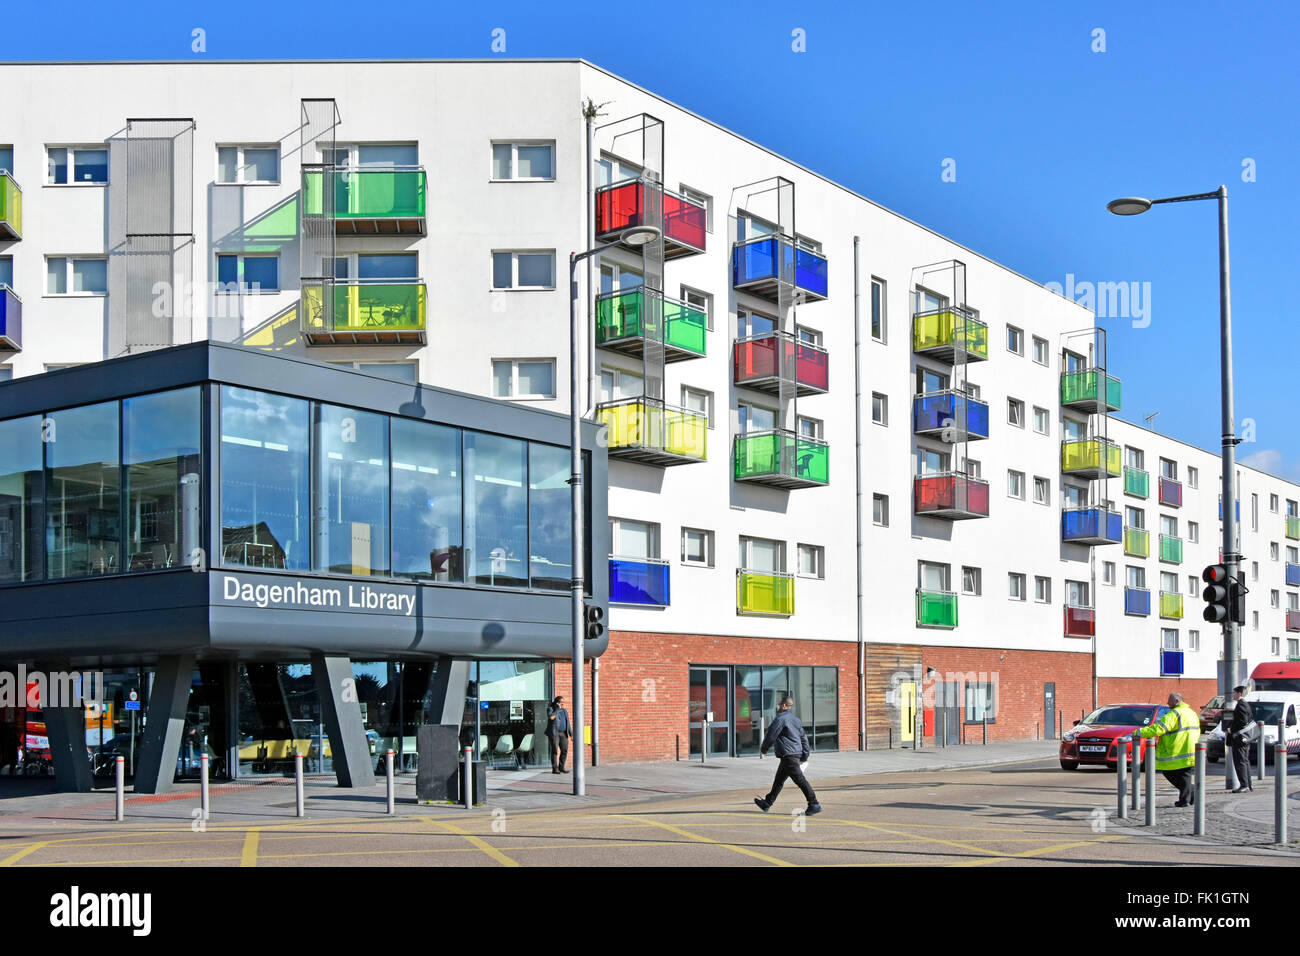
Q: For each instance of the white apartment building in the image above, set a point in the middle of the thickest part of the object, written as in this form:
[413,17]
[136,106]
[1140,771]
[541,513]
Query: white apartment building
[849,458]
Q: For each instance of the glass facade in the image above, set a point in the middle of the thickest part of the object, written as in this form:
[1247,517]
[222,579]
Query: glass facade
[351,486]
[426,490]
[758,693]
[21,500]
[161,438]
[506,720]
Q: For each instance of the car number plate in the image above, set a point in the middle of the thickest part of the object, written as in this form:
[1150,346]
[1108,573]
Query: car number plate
[1091,749]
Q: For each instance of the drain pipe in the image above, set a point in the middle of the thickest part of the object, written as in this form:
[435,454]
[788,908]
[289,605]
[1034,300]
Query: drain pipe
[857,477]
[589,111]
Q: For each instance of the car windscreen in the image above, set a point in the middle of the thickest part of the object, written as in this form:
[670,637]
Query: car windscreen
[1277,683]
[1137,716]
[1266,711]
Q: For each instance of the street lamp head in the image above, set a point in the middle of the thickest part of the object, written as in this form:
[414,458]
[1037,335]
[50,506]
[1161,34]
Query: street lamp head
[639,235]
[1129,206]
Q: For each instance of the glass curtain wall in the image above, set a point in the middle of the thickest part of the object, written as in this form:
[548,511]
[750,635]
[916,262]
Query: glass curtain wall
[758,693]
[426,487]
[350,491]
[496,515]
[160,454]
[82,479]
[511,717]
[21,499]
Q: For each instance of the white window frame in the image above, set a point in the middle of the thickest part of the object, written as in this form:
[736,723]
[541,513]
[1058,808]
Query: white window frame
[1046,350]
[1108,573]
[241,166]
[816,432]
[514,395]
[705,304]
[1012,476]
[707,538]
[1169,638]
[1015,583]
[1046,485]
[514,255]
[818,554]
[703,199]
[883,400]
[1015,412]
[708,401]
[240,288]
[977,577]
[1042,589]
[883,501]
[1194,477]
[72,164]
[1047,421]
[654,537]
[68,260]
[1020,334]
[514,145]
[1193,531]
[883,337]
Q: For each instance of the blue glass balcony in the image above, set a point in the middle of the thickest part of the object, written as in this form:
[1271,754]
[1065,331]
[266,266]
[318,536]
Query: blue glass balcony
[1137,601]
[950,415]
[1293,575]
[761,266]
[11,320]
[643,581]
[1091,526]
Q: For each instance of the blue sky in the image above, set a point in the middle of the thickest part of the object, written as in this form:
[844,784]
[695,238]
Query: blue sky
[1043,130]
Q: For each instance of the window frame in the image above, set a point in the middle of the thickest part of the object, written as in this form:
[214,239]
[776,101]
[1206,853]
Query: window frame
[514,145]
[1016,578]
[700,197]
[709,552]
[240,165]
[71,150]
[977,575]
[1019,333]
[1047,353]
[1014,404]
[879,313]
[883,420]
[68,261]
[818,553]
[883,501]
[1047,421]
[240,287]
[514,255]
[514,379]
[708,401]
[1013,474]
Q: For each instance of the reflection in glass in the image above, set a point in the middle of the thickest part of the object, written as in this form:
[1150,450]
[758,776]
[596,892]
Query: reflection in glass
[350,491]
[279,714]
[549,517]
[81,516]
[802,680]
[825,732]
[750,724]
[426,501]
[496,517]
[264,503]
[21,498]
[160,449]
[512,727]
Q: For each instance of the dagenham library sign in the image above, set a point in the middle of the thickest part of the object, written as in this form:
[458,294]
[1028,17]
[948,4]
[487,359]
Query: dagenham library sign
[316,595]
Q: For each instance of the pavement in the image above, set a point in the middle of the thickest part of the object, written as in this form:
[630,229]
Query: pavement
[1004,804]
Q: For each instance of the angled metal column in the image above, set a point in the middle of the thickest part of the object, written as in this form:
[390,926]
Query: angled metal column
[342,713]
[66,729]
[447,692]
[161,740]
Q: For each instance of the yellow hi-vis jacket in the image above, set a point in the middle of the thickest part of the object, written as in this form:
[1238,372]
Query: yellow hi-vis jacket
[1179,730]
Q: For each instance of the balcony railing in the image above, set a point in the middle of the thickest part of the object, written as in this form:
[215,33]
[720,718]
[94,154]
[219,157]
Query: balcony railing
[950,415]
[377,312]
[782,459]
[387,200]
[762,361]
[651,432]
[1090,458]
[1293,620]
[638,581]
[1091,526]
[936,608]
[1171,549]
[1136,482]
[1091,390]
[631,202]
[1137,542]
[11,320]
[950,495]
[1170,493]
[946,333]
[764,593]
[1292,575]
[1080,621]
[626,319]
[761,266]
[1293,527]
[11,207]
[1137,601]
[1171,605]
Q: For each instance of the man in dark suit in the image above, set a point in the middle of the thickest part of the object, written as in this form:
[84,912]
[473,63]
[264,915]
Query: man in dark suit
[1240,737]
[559,732]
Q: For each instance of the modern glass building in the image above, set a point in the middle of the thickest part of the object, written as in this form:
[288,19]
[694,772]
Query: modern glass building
[278,556]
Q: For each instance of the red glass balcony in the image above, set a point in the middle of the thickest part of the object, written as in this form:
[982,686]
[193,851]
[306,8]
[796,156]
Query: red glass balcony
[951,496]
[762,361]
[1080,622]
[637,202]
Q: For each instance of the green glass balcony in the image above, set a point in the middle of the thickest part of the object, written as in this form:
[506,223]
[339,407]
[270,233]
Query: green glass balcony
[1137,542]
[629,318]
[648,431]
[782,459]
[1091,390]
[764,593]
[1090,458]
[386,200]
[11,207]
[1137,482]
[1171,549]
[946,334]
[936,609]
[1171,606]
[1293,527]
[388,312]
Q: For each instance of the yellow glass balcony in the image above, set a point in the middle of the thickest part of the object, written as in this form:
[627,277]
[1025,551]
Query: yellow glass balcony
[1137,542]
[653,433]
[1171,606]
[380,312]
[764,593]
[1090,458]
[945,333]
[11,207]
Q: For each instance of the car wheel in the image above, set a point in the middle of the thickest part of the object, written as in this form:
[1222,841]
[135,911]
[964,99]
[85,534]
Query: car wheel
[1069,765]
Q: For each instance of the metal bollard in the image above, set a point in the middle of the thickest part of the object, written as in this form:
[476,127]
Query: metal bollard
[388,772]
[1259,771]
[943,739]
[119,792]
[762,735]
[1151,787]
[300,809]
[985,721]
[1198,825]
[1135,755]
[1230,781]
[1060,724]
[204,802]
[704,742]
[1279,792]
[468,786]
[1121,780]
[918,741]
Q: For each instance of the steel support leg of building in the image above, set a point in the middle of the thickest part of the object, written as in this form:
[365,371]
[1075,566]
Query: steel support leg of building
[336,687]
[66,729]
[160,742]
[447,692]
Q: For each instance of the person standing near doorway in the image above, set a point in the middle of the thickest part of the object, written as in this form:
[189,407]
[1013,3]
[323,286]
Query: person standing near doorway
[786,736]
[559,732]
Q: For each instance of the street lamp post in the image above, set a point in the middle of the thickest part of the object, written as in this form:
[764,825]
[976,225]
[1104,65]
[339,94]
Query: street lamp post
[635,236]
[1132,206]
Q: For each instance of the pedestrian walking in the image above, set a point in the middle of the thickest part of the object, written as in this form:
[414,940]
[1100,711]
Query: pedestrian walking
[1178,731]
[1241,731]
[559,731]
[786,736]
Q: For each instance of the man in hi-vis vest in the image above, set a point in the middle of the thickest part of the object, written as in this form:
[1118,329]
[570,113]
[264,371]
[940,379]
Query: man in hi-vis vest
[1179,730]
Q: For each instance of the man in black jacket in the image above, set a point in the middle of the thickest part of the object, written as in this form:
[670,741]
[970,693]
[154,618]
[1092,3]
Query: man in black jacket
[1242,717]
[787,737]
[559,732]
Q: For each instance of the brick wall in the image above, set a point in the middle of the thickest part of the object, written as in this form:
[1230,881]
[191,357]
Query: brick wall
[1155,690]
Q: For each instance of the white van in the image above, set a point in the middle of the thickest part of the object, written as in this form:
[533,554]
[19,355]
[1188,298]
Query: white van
[1268,706]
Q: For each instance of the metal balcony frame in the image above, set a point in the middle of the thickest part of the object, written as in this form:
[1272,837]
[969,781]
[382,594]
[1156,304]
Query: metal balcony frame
[771,384]
[959,434]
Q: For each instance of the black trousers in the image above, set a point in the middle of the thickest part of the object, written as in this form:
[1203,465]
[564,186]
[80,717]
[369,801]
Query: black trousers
[1185,780]
[559,751]
[1241,763]
[788,769]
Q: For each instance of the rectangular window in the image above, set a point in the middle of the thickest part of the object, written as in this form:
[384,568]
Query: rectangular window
[1292,553]
[1293,648]
[1275,645]
[698,400]
[810,428]
[1042,420]
[1169,638]
[73,166]
[1134,458]
[523,270]
[878,327]
[697,547]
[1042,491]
[1042,590]
[1193,531]
[1137,577]
[701,301]
[7,271]
[248,165]
[879,408]
[981,703]
[638,540]
[1254,570]
[1254,509]
[932,576]
[530,161]
[1016,586]
[812,561]
[1108,572]
[1015,340]
[1272,503]
[762,555]
[76,275]
[1169,469]
[700,199]
[1274,599]
[1077,593]
[880,510]
[1194,478]
[1016,484]
[1135,518]
[754,418]
[1169,526]
[1192,587]
[523,378]
[1015,412]
[1040,350]
[971,581]
[248,274]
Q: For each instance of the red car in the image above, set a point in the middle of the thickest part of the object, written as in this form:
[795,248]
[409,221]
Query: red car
[1093,739]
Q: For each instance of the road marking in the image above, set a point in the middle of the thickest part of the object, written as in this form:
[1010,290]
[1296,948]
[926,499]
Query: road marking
[703,839]
[1002,858]
[248,857]
[477,841]
[14,858]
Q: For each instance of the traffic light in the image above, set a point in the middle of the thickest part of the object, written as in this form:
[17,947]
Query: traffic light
[1217,595]
[592,615]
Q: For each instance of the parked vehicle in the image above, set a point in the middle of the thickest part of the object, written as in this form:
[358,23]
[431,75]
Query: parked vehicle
[1268,706]
[1212,713]
[1094,740]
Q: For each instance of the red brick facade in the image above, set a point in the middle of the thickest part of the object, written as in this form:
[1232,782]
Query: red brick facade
[1156,690]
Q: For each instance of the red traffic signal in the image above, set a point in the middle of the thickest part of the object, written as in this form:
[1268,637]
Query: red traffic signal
[1215,574]
[1217,594]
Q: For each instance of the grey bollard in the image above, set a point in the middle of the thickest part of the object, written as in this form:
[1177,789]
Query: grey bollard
[299,809]
[1121,780]
[1279,793]
[1198,825]
[468,785]
[1151,787]
[204,803]
[943,734]
[119,790]
[1259,771]
[1135,751]
[388,772]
